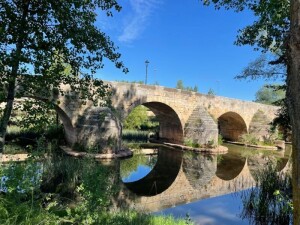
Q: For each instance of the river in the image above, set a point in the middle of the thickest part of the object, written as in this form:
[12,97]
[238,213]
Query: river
[205,188]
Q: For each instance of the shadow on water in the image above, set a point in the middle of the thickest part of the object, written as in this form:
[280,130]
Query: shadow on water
[161,176]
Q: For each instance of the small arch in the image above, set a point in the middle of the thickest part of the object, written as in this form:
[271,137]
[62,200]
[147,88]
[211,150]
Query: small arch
[70,133]
[231,126]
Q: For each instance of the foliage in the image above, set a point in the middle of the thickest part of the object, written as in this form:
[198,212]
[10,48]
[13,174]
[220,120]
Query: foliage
[282,120]
[263,67]
[13,212]
[34,115]
[66,190]
[130,218]
[220,139]
[135,136]
[270,94]
[271,201]
[133,82]
[211,92]
[249,139]
[40,39]
[138,119]
[191,143]
[21,138]
[181,86]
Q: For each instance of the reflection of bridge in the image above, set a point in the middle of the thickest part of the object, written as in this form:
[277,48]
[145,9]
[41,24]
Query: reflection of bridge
[197,177]
[181,114]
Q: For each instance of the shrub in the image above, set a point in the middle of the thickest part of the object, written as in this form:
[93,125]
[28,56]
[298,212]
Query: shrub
[249,139]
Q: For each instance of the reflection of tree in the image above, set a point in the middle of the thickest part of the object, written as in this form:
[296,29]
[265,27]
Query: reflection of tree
[129,165]
[84,178]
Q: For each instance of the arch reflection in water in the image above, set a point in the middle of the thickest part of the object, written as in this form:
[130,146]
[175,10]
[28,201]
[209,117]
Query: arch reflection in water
[137,167]
[231,164]
[161,176]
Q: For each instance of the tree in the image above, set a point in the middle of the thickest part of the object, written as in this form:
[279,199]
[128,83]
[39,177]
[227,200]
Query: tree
[136,118]
[181,86]
[270,94]
[211,92]
[37,40]
[277,30]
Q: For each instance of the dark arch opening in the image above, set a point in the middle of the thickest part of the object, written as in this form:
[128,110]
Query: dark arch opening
[170,128]
[231,126]
[161,176]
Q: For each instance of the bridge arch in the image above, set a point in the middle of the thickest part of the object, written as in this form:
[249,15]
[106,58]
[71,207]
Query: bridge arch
[70,132]
[170,126]
[231,126]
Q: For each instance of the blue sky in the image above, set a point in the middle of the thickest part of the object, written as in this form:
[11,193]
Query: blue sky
[183,40]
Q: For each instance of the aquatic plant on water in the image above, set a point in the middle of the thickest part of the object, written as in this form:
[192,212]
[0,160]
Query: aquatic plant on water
[270,202]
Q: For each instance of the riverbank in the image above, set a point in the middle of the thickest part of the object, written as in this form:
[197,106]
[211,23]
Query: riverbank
[215,150]
[266,147]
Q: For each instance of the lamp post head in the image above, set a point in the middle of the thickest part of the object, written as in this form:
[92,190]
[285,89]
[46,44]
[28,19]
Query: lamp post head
[147,62]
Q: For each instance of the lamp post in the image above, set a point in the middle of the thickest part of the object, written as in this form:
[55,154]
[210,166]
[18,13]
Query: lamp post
[146,63]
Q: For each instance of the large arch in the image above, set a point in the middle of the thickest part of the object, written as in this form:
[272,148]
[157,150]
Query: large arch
[170,127]
[231,126]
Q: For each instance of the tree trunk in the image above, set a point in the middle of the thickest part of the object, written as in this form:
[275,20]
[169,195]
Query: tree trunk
[7,113]
[12,76]
[293,94]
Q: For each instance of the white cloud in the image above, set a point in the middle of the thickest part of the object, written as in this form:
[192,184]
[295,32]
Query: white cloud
[136,22]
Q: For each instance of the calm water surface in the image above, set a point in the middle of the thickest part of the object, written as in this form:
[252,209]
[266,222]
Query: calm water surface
[206,187]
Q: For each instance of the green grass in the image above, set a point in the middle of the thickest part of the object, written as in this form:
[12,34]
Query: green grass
[13,148]
[135,136]
[134,218]
[24,137]
[190,143]
[90,199]
[270,201]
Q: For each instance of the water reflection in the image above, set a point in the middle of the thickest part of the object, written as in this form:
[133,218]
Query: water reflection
[137,167]
[199,169]
[161,176]
[180,177]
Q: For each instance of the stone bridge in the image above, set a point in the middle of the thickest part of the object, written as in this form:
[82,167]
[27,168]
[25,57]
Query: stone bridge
[182,115]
